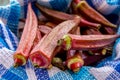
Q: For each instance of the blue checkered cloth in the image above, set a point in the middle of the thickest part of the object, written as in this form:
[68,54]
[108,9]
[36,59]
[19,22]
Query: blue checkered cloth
[108,69]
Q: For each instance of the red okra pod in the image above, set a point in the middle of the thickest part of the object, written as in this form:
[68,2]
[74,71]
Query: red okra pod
[28,36]
[86,42]
[91,14]
[43,52]
[58,17]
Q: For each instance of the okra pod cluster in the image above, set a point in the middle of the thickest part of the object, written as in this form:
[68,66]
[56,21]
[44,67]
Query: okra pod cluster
[67,41]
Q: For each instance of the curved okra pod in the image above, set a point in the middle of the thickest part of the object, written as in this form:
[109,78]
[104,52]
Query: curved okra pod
[86,42]
[58,17]
[90,14]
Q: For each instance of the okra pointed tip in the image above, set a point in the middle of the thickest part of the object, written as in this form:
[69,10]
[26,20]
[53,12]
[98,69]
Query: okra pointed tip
[50,66]
[114,26]
[111,25]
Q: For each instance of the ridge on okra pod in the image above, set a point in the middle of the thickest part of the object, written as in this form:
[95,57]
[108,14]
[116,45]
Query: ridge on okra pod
[44,50]
[29,36]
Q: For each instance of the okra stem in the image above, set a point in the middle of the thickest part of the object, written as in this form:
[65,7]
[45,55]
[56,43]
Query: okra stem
[75,62]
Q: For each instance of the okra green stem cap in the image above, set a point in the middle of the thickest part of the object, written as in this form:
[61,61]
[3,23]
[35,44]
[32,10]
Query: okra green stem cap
[19,60]
[65,42]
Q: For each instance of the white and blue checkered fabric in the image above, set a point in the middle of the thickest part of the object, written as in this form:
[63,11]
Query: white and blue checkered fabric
[108,69]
